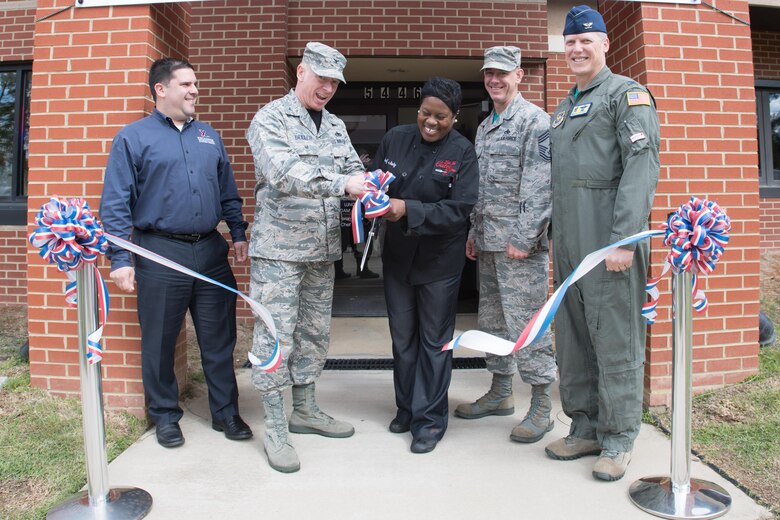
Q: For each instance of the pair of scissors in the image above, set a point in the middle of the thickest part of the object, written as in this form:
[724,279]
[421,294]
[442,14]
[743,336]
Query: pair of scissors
[368,242]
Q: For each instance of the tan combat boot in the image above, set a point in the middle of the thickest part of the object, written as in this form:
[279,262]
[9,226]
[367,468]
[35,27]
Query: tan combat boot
[281,455]
[497,401]
[611,465]
[537,421]
[570,448]
[308,418]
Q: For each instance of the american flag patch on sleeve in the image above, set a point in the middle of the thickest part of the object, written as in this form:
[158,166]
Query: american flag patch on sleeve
[638,98]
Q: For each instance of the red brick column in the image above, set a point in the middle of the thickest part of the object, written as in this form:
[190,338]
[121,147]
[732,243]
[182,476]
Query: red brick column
[698,64]
[89,80]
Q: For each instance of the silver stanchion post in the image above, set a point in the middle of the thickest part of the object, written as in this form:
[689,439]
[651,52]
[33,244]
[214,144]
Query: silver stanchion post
[98,501]
[680,496]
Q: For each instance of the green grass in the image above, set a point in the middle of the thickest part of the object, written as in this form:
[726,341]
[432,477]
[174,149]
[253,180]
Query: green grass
[738,429]
[42,445]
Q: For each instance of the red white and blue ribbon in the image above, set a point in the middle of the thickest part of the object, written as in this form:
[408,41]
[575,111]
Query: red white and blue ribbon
[268,365]
[373,203]
[68,235]
[697,233]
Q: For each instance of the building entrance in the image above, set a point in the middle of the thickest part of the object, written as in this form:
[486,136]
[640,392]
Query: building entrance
[369,110]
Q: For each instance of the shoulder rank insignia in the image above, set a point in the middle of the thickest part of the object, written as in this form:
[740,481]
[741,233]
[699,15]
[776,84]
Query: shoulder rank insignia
[559,117]
[580,110]
[638,98]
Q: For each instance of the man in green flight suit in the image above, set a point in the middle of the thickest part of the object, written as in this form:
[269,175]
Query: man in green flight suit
[605,165]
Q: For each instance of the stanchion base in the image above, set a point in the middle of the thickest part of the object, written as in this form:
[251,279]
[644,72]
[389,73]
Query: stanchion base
[122,504]
[655,496]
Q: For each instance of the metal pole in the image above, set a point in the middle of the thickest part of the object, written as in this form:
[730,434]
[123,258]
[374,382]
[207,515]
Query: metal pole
[681,497]
[98,502]
[682,363]
[91,391]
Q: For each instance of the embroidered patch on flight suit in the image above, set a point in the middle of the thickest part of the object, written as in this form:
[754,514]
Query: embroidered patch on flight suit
[580,110]
[638,98]
[559,117]
[638,137]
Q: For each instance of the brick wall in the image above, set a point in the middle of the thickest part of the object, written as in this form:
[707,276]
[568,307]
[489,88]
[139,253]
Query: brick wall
[766,54]
[766,60]
[425,28]
[559,80]
[13,265]
[770,224]
[698,64]
[16,40]
[16,44]
[89,80]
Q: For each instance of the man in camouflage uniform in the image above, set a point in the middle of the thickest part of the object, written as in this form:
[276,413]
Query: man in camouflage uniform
[304,164]
[509,233]
[605,163]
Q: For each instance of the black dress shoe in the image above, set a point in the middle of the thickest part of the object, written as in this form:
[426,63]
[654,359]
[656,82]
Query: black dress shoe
[367,273]
[398,426]
[169,435]
[423,445]
[234,427]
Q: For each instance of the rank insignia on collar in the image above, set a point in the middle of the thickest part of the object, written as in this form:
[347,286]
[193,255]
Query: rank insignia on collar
[559,117]
[580,110]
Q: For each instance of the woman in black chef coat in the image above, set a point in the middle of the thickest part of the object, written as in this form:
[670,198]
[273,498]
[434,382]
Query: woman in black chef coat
[431,197]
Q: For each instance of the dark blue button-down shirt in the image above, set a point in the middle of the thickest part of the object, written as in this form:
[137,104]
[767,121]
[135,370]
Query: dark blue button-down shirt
[160,178]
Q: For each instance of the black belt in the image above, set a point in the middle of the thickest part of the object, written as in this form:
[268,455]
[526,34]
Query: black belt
[186,237]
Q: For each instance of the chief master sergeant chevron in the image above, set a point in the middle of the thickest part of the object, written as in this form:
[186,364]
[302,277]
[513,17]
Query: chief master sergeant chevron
[605,165]
[304,164]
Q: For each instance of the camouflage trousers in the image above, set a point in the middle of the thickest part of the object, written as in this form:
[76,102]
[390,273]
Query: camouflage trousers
[510,293]
[299,296]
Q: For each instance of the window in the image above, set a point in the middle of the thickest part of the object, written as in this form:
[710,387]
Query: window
[15,84]
[768,106]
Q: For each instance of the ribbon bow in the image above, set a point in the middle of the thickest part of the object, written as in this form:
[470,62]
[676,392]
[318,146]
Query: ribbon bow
[70,236]
[697,234]
[374,202]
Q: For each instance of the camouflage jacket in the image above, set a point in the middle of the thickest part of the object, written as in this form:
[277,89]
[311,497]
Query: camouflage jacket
[515,198]
[300,174]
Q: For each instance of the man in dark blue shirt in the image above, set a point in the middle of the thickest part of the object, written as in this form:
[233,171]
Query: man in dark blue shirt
[168,184]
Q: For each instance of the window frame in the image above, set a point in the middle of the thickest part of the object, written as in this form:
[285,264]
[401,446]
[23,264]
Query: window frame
[13,210]
[767,188]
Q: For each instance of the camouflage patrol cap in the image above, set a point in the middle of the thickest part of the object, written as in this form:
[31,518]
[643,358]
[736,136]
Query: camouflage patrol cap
[325,61]
[505,58]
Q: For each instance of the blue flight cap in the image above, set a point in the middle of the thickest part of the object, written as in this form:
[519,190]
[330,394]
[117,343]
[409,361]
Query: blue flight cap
[583,19]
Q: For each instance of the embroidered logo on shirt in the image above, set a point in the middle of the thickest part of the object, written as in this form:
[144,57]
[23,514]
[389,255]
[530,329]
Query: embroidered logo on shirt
[580,110]
[559,117]
[508,136]
[446,167]
[203,138]
[390,163]
[638,98]
[638,137]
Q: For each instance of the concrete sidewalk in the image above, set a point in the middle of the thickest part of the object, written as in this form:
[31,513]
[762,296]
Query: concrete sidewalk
[475,472]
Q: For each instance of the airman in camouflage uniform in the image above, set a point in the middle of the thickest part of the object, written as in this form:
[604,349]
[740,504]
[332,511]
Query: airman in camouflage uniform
[509,233]
[304,164]
[605,162]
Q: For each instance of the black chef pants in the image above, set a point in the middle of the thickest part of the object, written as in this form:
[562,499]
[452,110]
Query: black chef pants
[422,320]
[164,296]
